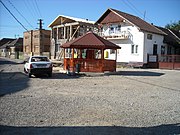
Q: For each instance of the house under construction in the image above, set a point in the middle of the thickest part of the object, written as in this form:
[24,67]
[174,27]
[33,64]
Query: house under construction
[65,29]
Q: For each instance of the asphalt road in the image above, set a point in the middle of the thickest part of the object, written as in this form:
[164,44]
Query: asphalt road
[128,102]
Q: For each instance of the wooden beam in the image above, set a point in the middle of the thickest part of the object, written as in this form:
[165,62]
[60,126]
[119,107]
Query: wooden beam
[67,24]
[64,32]
[74,33]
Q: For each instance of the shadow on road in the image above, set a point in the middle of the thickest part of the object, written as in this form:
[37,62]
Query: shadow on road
[59,76]
[135,73]
[4,61]
[170,129]
[11,82]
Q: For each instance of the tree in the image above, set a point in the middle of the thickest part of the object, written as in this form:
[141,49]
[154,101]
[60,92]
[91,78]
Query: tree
[173,26]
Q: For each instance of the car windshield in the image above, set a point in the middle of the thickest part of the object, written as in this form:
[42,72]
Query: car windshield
[36,59]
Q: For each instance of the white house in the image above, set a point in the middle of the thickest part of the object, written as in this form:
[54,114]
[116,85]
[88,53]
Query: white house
[136,37]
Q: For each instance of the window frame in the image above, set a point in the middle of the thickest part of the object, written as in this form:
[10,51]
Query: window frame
[134,49]
[149,36]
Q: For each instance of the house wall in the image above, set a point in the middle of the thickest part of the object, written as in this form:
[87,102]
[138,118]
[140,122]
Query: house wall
[136,38]
[148,44]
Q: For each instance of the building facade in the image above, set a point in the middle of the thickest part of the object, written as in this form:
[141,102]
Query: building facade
[12,48]
[36,42]
[136,37]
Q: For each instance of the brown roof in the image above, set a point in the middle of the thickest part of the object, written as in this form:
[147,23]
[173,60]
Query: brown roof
[143,25]
[90,40]
[5,40]
[15,42]
[172,37]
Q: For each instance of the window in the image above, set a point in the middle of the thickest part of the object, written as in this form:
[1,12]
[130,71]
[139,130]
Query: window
[26,37]
[149,36]
[132,48]
[111,30]
[36,49]
[119,27]
[162,49]
[155,49]
[136,49]
[27,48]
[112,51]
[169,50]
[36,36]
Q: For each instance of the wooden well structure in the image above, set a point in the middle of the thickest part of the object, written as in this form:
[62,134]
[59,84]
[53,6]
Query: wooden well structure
[87,54]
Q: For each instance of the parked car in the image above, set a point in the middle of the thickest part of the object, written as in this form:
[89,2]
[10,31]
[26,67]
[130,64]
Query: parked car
[36,65]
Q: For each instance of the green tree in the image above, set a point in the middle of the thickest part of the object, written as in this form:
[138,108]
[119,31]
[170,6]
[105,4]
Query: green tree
[173,26]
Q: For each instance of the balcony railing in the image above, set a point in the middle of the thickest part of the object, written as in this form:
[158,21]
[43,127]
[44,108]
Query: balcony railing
[115,35]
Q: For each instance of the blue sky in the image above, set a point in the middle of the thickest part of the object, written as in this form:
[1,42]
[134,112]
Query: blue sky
[158,12]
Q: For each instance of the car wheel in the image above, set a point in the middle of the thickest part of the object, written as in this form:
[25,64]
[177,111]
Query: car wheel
[29,74]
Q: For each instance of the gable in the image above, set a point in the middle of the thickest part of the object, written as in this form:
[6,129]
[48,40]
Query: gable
[60,20]
[110,17]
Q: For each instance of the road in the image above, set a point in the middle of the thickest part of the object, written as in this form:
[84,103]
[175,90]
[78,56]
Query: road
[130,101]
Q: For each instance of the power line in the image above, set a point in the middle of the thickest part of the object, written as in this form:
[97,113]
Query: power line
[32,2]
[14,16]
[12,26]
[38,9]
[19,13]
[131,6]
[143,14]
[29,10]
[140,13]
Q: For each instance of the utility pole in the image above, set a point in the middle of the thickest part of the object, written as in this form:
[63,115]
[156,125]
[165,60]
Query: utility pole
[40,33]
[31,42]
[40,24]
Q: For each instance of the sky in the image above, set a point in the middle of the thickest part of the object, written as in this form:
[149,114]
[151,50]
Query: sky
[27,12]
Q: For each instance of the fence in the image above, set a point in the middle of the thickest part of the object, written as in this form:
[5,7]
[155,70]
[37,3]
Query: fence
[169,62]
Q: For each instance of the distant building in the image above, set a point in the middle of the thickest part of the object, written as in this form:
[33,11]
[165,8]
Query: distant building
[36,42]
[171,42]
[5,40]
[11,47]
[66,28]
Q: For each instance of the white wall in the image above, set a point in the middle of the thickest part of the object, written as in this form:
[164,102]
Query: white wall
[145,46]
[124,54]
[156,39]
